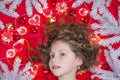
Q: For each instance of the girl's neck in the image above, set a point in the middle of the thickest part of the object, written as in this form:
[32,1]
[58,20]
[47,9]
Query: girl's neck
[67,78]
[72,77]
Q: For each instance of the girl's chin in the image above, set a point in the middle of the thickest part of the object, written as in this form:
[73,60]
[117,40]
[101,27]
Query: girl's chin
[57,74]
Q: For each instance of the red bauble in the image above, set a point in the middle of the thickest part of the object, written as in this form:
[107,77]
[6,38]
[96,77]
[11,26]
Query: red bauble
[16,37]
[22,20]
[22,30]
[10,53]
[85,19]
[33,29]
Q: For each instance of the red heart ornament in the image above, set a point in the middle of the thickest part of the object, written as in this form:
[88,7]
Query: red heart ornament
[35,20]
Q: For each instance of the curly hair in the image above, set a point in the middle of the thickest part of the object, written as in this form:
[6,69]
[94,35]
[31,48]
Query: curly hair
[76,37]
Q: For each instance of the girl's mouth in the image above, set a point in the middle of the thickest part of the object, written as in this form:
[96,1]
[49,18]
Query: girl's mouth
[55,67]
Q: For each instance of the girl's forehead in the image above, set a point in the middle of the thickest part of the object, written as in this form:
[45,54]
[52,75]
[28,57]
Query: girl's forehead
[61,46]
[60,43]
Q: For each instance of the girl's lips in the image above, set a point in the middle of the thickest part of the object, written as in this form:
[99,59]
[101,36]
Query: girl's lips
[56,67]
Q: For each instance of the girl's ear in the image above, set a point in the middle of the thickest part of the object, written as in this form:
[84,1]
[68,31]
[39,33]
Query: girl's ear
[79,61]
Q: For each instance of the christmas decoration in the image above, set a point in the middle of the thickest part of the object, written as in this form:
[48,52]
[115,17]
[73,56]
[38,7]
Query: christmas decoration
[35,20]
[22,30]
[9,26]
[10,53]
[83,11]
[22,20]
[1,25]
[34,29]
[6,36]
[18,46]
[61,8]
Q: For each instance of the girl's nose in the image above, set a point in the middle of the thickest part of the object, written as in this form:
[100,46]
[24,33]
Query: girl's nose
[54,59]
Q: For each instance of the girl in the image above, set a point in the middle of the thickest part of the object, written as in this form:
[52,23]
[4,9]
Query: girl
[68,50]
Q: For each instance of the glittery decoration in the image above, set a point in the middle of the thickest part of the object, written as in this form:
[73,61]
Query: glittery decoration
[83,11]
[52,19]
[94,39]
[10,53]
[33,70]
[18,46]
[22,20]
[9,26]
[22,30]
[47,11]
[61,8]
[35,20]
[7,36]
[34,29]
[85,19]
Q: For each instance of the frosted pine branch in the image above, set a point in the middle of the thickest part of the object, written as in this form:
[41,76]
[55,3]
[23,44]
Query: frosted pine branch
[114,63]
[43,2]
[103,74]
[29,8]
[110,41]
[16,73]
[15,4]
[1,25]
[119,16]
[77,3]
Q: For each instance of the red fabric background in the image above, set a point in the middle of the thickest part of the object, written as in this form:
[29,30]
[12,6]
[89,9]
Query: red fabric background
[34,38]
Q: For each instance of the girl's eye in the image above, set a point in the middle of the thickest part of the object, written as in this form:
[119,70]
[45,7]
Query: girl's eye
[51,56]
[62,54]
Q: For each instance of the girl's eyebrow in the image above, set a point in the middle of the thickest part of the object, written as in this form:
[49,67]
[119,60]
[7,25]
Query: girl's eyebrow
[51,52]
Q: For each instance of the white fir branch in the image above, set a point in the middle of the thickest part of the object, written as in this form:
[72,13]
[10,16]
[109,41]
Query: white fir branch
[1,25]
[3,67]
[108,16]
[119,16]
[77,3]
[25,76]
[37,6]
[6,1]
[15,4]
[108,31]
[110,41]
[29,9]
[89,1]
[95,26]
[108,2]
[103,74]
[108,58]
[44,2]
[15,68]
[28,65]
[14,74]
[115,61]
[8,12]
[33,3]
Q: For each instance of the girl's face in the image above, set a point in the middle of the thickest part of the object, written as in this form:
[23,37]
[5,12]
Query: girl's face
[63,61]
